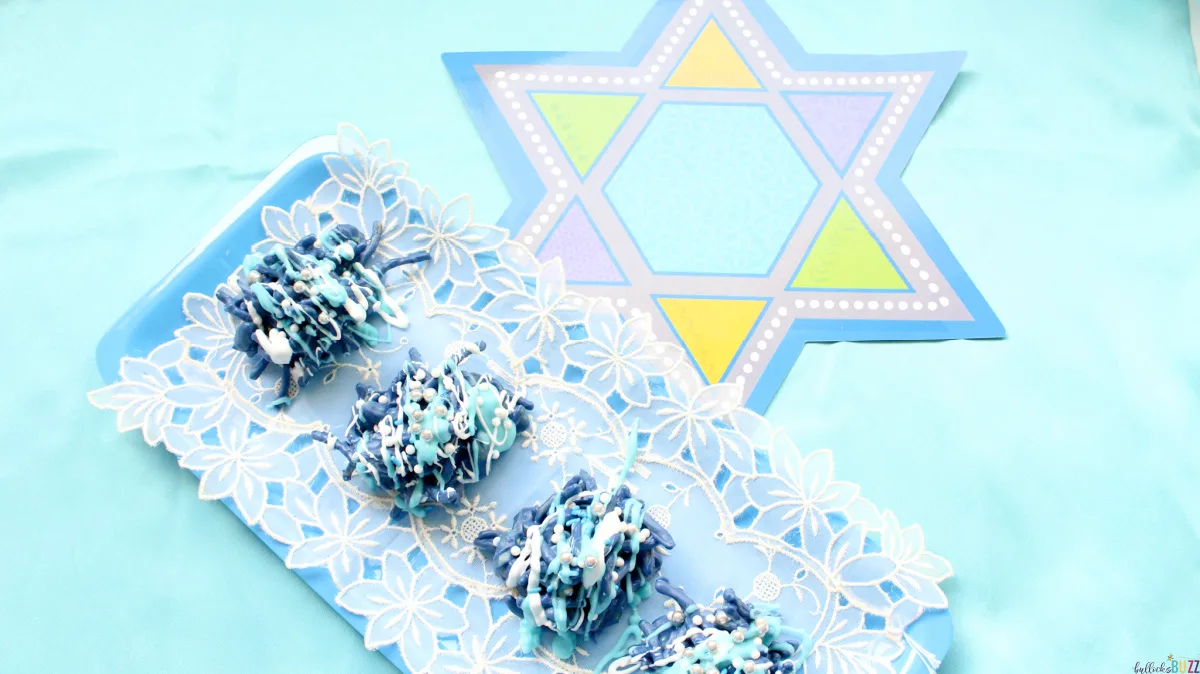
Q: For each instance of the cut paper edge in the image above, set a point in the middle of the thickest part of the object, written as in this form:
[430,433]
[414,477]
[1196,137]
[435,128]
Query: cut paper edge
[520,174]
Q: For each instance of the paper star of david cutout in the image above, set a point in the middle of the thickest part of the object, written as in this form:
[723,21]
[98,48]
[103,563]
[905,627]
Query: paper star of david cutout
[742,191]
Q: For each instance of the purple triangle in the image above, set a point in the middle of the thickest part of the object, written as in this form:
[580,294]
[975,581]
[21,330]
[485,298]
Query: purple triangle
[838,121]
[585,257]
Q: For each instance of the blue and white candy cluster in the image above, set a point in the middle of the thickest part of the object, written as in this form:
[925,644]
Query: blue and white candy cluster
[431,431]
[303,306]
[729,636]
[578,561]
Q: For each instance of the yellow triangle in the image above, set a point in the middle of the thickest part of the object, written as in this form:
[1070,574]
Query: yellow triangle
[712,330]
[713,63]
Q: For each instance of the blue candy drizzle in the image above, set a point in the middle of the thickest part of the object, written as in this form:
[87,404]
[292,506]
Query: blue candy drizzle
[302,307]
[431,431]
[579,560]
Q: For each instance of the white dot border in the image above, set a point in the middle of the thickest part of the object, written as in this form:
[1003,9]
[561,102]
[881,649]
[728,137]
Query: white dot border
[891,120]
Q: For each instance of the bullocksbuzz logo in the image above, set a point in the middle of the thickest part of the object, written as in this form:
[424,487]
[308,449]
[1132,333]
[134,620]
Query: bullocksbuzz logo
[1172,665]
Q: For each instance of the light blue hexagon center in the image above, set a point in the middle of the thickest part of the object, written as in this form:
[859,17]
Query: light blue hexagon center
[711,189]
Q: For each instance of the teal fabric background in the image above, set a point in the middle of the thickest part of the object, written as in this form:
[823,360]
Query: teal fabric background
[1058,470]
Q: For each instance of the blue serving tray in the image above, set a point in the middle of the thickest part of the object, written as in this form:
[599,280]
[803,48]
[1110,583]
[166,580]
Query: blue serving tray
[155,319]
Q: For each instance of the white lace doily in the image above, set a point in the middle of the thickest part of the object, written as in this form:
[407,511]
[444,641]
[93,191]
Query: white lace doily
[746,509]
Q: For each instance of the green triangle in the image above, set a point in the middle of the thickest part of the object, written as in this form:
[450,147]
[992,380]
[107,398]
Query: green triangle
[584,123]
[846,256]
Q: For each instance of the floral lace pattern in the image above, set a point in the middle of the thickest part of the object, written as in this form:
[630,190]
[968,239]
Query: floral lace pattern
[730,487]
